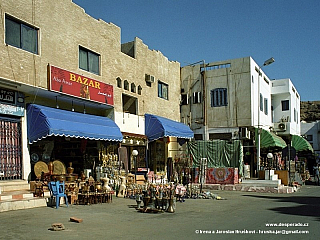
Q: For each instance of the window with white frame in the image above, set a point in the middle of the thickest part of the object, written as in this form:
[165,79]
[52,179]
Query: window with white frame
[89,61]
[196,97]
[219,97]
[21,35]
[163,90]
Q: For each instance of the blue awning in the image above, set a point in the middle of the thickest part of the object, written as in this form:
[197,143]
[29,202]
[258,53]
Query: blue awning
[45,121]
[157,127]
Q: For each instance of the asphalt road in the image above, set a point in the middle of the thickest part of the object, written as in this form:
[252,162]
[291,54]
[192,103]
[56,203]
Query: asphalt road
[243,215]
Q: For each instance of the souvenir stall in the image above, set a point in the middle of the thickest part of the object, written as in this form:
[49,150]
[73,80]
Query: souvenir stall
[216,161]
[82,152]
[166,139]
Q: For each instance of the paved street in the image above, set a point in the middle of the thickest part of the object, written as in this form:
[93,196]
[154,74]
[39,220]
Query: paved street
[243,215]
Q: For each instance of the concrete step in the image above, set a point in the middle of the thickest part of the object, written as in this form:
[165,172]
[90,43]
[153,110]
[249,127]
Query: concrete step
[23,199]
[18,204]
[268,183]
[13,185]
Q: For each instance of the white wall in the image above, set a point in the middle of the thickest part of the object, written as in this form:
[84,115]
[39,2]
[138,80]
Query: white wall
[283,89]
[130,123]
[260,84]
[312,128]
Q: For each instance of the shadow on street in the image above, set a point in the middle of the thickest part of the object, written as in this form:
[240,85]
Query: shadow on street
[308,205]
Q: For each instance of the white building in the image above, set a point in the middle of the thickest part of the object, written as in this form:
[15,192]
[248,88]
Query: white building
[286,107]
[231,99]
[219,97]
[310,131]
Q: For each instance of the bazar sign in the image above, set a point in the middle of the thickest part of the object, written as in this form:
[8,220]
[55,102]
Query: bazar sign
[79,86]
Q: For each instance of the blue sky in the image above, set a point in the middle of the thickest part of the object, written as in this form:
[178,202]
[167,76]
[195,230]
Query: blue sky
[188,31]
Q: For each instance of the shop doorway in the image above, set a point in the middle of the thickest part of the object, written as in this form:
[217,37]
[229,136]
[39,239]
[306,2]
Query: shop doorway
[10,149]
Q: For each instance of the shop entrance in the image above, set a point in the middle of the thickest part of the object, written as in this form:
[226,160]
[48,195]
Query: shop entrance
[82,153]
[10,149]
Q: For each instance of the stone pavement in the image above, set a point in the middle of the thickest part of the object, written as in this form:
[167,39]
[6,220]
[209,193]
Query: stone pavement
[120,219]
[23,199]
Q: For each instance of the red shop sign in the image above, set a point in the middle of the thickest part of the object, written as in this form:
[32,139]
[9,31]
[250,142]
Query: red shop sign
[76,85]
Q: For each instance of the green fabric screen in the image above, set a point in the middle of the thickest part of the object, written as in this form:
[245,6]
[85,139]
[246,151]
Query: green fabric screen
[219,153]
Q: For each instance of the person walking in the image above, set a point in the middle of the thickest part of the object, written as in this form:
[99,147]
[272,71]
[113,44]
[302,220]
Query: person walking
[316,174]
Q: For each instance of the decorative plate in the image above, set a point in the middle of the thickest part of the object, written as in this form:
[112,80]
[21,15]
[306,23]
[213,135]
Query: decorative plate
[34,157]
[40,167]
[59,167]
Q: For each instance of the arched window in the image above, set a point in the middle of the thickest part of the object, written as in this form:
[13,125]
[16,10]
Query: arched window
[133,87]
[119,82]
[139,90]
[126,85]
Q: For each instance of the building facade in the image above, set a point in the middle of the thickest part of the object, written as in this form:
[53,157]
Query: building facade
[310,131]
[56,56]
[232,99]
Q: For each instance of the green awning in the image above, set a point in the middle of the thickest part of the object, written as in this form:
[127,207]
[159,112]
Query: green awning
[269,139]
[300,144]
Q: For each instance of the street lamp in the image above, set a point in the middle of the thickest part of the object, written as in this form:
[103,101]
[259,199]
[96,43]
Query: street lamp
[135,154]
[270,158]
[266,63]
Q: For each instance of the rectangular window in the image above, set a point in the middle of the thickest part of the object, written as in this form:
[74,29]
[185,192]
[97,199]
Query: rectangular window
[261,102]
[285,105]
[266,106]
[196,97]
[184,99]
[219,97]
[295,114]
[162,90]
[198,137]
[309,138]
[89,61]
[21,35]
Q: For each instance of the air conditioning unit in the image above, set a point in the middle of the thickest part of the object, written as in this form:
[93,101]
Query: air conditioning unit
[244,133]
[281,127]
[149,78]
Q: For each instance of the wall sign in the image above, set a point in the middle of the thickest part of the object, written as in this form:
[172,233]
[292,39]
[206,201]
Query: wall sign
[9,103]
[76,85]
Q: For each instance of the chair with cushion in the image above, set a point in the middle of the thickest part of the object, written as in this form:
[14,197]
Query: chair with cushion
[57,190]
